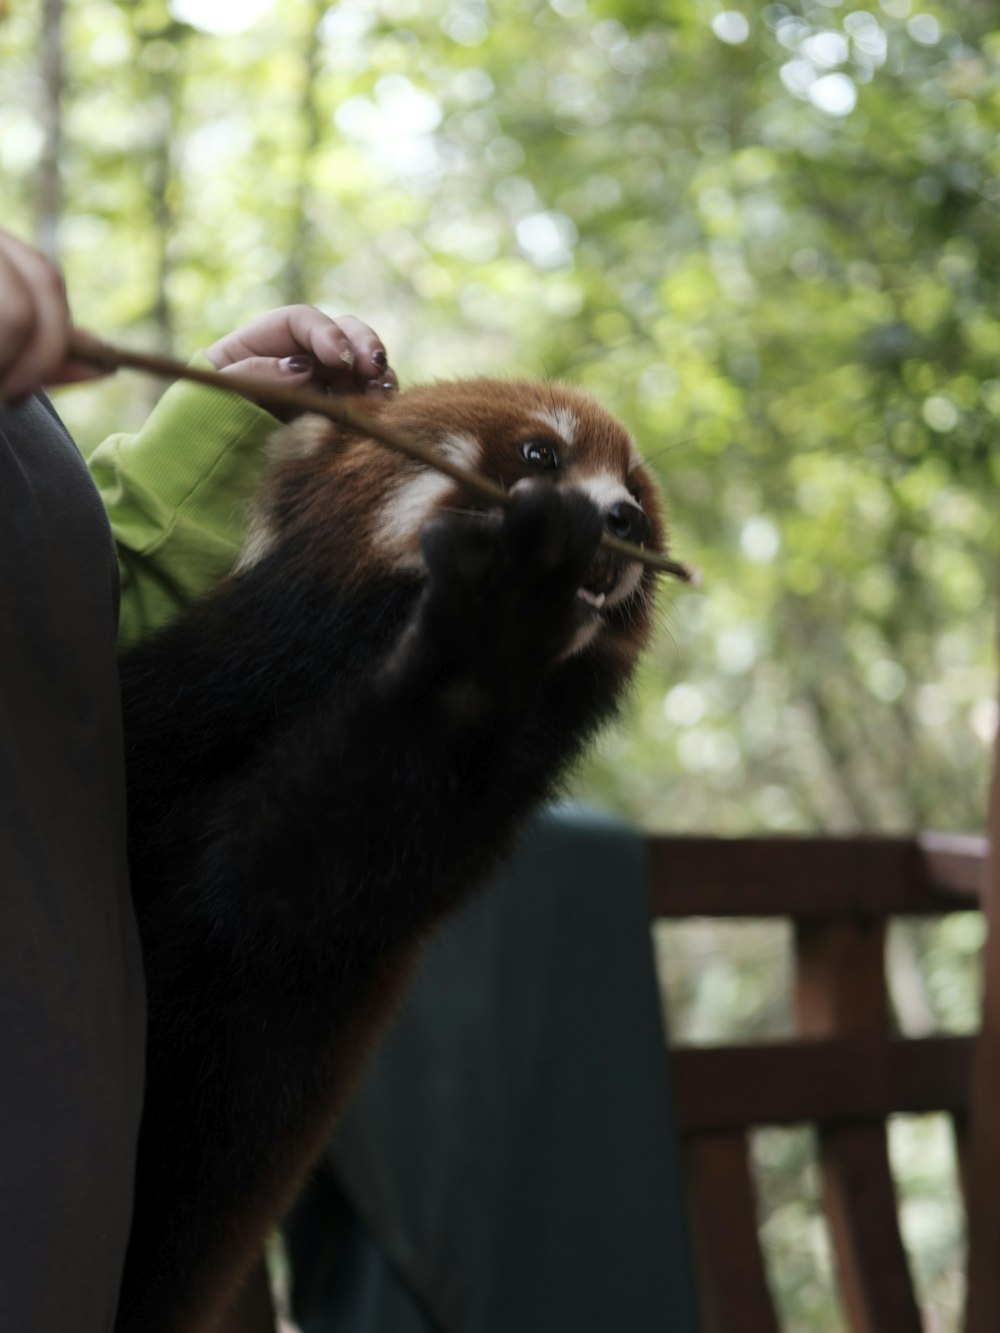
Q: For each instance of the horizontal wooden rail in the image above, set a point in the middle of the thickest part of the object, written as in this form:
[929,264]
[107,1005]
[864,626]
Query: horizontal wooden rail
[844,1074]
[832,1080]
[859,878]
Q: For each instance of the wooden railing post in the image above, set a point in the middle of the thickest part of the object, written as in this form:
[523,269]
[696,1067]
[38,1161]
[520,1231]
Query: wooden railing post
[841,991]
[732,1282]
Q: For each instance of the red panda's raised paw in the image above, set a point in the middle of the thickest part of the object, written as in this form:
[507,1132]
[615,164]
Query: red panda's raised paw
[550,533]
[511,581]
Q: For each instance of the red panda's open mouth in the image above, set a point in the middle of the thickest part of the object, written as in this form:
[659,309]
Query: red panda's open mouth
[602,580]
[607,584]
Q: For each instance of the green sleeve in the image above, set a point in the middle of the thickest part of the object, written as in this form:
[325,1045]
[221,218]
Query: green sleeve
[176,494]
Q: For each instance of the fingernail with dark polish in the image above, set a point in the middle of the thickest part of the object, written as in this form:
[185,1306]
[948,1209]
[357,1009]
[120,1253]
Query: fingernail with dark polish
[297,365]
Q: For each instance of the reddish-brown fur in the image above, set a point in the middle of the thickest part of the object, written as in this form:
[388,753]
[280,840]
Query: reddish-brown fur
[325,757]
[327,487]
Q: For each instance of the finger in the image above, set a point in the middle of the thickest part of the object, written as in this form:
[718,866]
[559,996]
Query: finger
[325,339]
[284,332]
[76,372]
[348,353]
[17,326]
[286,370]
[383,387]
[38,347]
[351,355]
[371,360]
[293,371]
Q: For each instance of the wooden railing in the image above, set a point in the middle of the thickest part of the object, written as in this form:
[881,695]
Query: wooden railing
[845,1072]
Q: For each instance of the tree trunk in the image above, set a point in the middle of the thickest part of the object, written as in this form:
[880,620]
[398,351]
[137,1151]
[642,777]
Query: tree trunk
[48,204]
[298,266]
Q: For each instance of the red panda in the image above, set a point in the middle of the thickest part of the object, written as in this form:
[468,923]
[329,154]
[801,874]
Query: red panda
[326,755]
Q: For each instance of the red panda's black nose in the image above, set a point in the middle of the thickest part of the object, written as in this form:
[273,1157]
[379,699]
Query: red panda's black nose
[627,521]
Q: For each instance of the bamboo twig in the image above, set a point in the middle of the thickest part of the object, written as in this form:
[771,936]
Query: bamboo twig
[337,408]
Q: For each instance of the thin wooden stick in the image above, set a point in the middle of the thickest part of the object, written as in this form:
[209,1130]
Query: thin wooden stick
[111,358]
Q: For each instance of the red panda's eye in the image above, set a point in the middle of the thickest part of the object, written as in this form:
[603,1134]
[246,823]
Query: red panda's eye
[540,454]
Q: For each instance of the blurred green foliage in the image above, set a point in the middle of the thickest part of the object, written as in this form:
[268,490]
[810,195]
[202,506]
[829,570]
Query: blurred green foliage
[767,237]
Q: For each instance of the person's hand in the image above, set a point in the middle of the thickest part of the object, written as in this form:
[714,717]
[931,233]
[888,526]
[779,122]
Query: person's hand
[35,323]
[298,344]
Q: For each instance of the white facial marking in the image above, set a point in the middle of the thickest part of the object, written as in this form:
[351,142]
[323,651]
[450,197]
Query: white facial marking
[627,584]
[462,449]
[560,420]
[585,635]
[258,541]
[607,490]
[408,509]
[301,439]
[635,459]
[594,599]
[604,489]
[416,497]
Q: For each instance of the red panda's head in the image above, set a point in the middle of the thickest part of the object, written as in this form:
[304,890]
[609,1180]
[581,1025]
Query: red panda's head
[352,509]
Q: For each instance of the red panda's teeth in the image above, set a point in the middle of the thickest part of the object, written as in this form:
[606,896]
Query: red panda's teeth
[595,599]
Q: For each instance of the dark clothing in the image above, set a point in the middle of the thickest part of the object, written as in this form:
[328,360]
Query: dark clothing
[510,1163]
[71,994]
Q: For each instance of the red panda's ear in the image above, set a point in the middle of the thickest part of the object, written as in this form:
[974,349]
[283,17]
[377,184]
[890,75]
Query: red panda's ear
[306,437]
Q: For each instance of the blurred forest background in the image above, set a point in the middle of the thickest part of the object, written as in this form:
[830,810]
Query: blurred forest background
[768,237]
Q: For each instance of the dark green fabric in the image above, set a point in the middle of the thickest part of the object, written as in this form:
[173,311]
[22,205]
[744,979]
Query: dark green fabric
[510,1161]
[71,994]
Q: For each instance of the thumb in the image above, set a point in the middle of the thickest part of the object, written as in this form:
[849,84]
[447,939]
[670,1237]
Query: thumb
[293,371]
[288,369]
[73,370]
